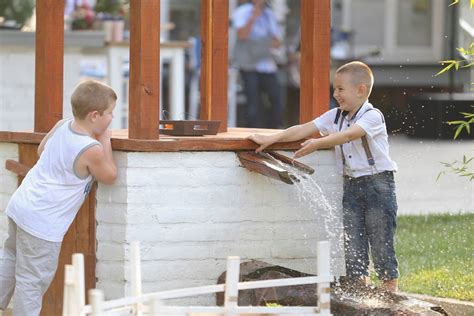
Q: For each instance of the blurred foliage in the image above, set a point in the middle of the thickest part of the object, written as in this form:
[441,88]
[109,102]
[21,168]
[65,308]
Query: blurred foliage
[460,168]
[436,256]
[112,8]
[17,10]
[82,17]
[471,3]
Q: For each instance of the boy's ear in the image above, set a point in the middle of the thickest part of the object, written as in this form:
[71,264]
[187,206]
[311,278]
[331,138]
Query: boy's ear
[362,90]
[93,115]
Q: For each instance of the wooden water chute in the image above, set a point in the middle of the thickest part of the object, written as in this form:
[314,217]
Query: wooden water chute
[271,164]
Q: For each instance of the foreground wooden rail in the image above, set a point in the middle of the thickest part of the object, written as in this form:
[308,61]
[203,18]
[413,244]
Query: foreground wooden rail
[153,303]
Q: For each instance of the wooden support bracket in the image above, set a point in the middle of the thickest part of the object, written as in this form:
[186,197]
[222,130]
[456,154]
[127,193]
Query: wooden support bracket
[16,167]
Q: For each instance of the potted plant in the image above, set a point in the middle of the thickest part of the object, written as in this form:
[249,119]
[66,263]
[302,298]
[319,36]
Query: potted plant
[112,13]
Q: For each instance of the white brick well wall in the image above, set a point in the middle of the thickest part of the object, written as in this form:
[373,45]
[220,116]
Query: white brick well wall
[190,210]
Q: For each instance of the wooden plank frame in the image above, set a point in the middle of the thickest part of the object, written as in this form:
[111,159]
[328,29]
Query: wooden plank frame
[214,59]
[315,58]
[144,87]
[49,61]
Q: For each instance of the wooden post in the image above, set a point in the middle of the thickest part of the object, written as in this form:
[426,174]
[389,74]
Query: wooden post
[214,60]
[49,60]
[323,267]
[144,86]
[315,58]
[231,300]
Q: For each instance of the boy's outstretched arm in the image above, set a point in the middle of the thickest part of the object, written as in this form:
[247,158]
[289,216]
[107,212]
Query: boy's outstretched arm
[99,160]
[353,132]
[290,134]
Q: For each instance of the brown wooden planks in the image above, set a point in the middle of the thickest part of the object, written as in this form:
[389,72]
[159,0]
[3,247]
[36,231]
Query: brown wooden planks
[232,140]
[144,93]
[49,62]
[315,58]
[16,167]
[214,59]
[267,167]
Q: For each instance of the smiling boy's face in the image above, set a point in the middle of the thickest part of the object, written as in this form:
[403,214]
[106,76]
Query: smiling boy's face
[347,94]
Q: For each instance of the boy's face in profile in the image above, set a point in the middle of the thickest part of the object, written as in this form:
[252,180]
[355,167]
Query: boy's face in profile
[103,121]
[347,94]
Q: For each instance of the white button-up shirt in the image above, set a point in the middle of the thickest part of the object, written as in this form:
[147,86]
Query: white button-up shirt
[372,122]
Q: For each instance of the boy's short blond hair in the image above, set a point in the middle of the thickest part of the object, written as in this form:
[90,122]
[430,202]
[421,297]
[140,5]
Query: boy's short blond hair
[91,95]
[359,73]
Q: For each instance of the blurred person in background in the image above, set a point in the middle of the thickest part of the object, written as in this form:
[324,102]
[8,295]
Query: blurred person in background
[258,34]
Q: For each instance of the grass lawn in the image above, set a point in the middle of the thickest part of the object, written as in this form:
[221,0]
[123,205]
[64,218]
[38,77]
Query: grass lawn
[436,255]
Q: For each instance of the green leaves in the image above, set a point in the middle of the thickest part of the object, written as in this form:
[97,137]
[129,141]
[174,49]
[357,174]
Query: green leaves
[471,4]
[451,64]
[468,53]
[465,124]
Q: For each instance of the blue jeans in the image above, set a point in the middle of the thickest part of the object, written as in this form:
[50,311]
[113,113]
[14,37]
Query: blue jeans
[370,211]
[254,84]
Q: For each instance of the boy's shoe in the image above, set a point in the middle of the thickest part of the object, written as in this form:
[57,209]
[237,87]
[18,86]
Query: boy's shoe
[390,285]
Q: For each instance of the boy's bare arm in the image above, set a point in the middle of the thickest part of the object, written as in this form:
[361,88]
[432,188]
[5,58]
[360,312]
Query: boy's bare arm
[353,132]
[290,134]
[45,139]
[100,162]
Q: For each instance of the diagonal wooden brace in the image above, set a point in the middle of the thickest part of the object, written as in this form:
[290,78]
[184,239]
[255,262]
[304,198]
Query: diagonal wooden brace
[16,167]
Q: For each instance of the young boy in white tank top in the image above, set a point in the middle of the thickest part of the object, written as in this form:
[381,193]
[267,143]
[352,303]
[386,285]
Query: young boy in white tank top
[74,153]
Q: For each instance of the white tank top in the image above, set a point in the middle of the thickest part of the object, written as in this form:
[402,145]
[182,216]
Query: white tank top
[51,194]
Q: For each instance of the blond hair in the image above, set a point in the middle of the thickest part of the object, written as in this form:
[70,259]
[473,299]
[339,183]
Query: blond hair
[91,95]
[359,73]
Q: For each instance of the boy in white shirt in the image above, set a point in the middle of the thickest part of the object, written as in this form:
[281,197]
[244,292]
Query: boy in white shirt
[74,153]
[357,131]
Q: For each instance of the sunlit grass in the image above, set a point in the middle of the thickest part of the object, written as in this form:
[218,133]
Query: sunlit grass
[436,255]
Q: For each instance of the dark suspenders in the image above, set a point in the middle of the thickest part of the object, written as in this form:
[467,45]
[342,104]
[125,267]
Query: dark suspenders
[365,143]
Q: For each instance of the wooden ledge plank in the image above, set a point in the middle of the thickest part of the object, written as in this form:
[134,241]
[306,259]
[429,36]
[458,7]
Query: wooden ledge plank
[21,137]
[234,140]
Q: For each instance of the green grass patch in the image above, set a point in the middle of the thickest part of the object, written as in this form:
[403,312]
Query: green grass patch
[436,255]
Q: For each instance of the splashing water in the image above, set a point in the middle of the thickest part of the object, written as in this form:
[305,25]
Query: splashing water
[310,194]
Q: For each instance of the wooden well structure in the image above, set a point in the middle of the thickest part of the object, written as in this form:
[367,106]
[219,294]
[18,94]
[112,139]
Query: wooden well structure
[144,88]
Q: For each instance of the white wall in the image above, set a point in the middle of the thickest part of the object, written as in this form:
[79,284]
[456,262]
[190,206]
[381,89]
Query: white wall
[191,210]
[17,88]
